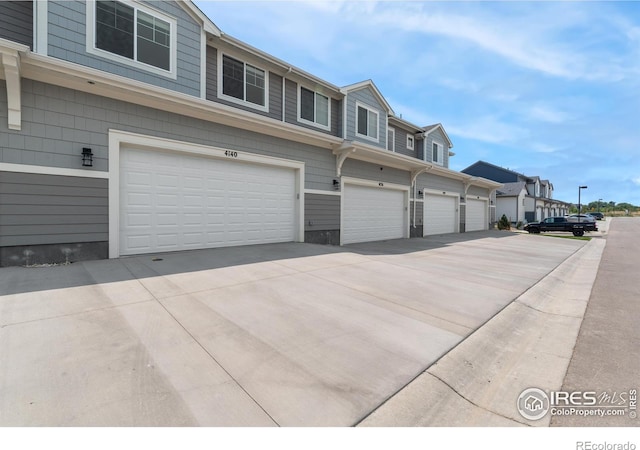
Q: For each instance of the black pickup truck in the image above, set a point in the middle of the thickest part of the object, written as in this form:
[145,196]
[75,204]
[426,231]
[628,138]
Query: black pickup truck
[561,224]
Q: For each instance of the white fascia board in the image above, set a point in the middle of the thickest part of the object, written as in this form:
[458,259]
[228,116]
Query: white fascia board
[370,84]
[199,16]
[46,170]
[77,77]
[444,133]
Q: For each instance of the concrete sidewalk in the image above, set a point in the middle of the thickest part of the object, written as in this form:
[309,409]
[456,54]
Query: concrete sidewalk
[606,358]
[528,344]
[286,334]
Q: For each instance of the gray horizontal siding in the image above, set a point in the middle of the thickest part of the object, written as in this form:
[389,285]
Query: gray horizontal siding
[275,88]
[401,143]
[321,212]
[50,209]
[478,191]
[366,97]
[67,41]
[16,22]
[439,138]
[369,171]
[291,111]
[431,181]
[58,122]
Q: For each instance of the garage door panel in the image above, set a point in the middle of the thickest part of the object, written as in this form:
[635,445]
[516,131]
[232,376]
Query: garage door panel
[372,214]
[176,201]
[440,214]
[476,215]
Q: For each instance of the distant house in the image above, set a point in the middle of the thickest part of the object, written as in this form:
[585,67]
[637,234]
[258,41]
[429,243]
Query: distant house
[522,198]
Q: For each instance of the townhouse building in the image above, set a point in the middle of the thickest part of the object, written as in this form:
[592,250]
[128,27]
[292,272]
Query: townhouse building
[521,198]
[133,127]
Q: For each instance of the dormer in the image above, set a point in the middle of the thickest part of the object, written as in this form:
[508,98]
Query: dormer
[436,145]
[366,114]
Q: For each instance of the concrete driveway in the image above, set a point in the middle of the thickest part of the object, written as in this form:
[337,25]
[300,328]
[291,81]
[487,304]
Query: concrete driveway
[285,334]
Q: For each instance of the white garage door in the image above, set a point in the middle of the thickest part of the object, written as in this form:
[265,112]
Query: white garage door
[372,214]
[172,201]
[439,214]
[476,215]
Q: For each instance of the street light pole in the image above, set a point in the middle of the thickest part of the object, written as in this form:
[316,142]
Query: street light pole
[580,188]
[599,204]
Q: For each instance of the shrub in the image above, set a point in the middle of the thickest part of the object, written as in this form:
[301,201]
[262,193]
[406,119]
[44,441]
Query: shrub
[504,223]
[519,225]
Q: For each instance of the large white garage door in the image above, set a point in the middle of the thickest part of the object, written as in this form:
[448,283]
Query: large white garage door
[439,214]
[171,201]
[476,215]
[372,214]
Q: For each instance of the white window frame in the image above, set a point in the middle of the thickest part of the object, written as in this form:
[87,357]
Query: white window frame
[238,101]
[391,131]
[309,122]
[440,160]
[369,110]
[411,142]
[173,24]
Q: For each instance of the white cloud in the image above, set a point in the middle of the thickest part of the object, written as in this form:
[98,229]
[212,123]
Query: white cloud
[636,180]
[487,129]
[547,114]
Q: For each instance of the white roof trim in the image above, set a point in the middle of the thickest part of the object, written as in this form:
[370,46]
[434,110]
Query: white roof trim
[444,133]
[370,84]
[195,12]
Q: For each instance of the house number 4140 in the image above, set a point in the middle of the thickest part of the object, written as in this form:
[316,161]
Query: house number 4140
[231,154]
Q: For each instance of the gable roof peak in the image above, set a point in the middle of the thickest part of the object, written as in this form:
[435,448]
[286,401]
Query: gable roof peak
[371,85]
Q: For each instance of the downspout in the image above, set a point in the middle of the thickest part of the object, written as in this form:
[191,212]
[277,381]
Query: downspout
[414,181]
[284,77]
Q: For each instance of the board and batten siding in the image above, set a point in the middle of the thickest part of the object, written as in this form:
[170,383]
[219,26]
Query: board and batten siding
[58,122]
[321,212]
[366,97]
[51,209]
[16,22]
[275,88]
[291,111]
[67,41]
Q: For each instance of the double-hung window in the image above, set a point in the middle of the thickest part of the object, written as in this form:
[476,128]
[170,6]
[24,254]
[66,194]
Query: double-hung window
[243,83]
[314,108]
[410,142]
[367,122]
[133,34]
[391,139]
[437,153]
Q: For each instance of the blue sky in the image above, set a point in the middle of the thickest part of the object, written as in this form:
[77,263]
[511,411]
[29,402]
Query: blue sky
[545,88]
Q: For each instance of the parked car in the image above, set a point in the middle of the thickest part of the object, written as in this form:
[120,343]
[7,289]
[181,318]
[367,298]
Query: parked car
[581,218]
[597,215]
[562,224]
